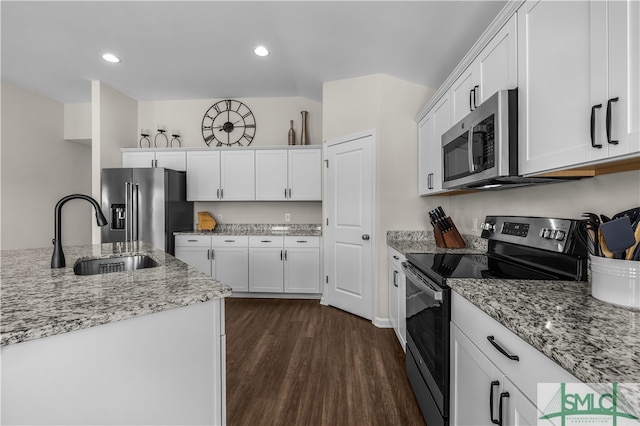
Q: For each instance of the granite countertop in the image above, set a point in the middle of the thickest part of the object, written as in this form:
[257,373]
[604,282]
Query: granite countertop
[595,341]
[311,230]
[38,301]
[423,242]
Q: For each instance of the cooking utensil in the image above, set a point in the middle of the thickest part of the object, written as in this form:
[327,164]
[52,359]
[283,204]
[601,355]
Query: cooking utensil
[604,218]
[618,235]
[603,246]
[631,252]
[633,214]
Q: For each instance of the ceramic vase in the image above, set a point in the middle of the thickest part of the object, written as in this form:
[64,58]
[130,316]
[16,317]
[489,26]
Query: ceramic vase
[292,134]
[304,140]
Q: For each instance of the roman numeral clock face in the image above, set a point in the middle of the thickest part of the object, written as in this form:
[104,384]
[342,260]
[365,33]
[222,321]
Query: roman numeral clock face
[228,123]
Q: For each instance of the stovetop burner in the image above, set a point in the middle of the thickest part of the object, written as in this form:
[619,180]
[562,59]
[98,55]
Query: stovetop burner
[452,265]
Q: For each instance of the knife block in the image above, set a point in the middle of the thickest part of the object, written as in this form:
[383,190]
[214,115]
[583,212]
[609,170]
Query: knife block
[450,238]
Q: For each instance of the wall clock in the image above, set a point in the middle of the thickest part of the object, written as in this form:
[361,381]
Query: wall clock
[228,122]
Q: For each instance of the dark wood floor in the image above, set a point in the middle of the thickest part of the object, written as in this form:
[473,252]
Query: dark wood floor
[296,362]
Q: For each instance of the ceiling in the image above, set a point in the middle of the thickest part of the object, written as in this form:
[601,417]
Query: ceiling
[204,49]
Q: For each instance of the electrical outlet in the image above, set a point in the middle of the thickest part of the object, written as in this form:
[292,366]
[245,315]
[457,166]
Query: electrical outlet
[219,218]
[287,217]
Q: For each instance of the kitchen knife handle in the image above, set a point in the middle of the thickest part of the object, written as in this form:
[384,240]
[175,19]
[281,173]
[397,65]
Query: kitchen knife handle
[609,120]
[593,126]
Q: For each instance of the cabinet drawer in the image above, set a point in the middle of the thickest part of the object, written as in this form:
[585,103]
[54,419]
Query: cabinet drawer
[193,241]
[266,241]
[533,367]
[230,241]
[302,241]
[396,258]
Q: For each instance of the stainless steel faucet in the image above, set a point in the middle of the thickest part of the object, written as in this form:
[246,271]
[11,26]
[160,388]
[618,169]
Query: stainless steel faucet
[57,259]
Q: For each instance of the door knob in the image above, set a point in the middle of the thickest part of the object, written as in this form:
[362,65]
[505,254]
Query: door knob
[365,237]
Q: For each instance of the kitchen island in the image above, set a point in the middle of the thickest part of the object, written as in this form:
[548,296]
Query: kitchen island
[138,347]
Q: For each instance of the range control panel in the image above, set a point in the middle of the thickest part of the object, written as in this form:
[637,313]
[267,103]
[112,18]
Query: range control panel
[539,232]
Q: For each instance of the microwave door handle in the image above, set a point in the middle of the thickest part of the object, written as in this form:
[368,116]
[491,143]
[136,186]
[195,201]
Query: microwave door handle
[472,167]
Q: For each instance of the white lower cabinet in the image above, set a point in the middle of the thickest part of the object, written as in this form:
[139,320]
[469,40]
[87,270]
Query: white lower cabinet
[487,386]
[397,305]
[284,264]
[224,258]
[261,264]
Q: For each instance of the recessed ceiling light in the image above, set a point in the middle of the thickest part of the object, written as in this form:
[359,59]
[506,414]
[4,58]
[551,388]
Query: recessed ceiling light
[261,51]
[110,57]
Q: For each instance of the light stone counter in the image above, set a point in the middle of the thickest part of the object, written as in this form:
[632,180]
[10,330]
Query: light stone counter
[261,230]
[38,301]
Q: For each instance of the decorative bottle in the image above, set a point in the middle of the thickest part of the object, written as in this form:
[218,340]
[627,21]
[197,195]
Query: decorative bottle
[304,140]
[292,134]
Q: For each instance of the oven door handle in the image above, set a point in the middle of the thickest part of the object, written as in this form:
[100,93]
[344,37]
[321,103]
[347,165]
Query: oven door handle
[421,281]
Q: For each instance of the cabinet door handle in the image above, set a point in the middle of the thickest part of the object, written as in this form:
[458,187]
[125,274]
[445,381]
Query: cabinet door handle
[213,254]
[609,120]
[222,193]
[285,255]
[503,395]
[396,257]
[289,193]
[265,241]
[492,340]
[593,126]
[430,181]
[285,193]
[494,421]
[475,97]
[218,193]
[395,278]
[280,254]
[470,100]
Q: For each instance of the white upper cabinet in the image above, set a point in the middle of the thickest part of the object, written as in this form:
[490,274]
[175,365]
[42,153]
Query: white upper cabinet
[175,160]
[305,174]
[203,175]
[568,89]
[220,175]
[430,131]
[237,175]
[271,175]
[289,174]
[615,81]
[495,68]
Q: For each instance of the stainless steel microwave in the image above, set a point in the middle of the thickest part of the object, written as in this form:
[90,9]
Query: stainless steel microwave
[481,150]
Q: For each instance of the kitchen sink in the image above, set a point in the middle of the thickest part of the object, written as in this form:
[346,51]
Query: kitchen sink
[113,264]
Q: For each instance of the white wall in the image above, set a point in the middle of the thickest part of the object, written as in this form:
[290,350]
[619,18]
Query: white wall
[38,168]
[272,127]
[388,105]
[113,126]
[607,194]
[272,119]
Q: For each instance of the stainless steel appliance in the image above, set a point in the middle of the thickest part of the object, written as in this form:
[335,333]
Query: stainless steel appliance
[481,150]
[147,204]
[523,248]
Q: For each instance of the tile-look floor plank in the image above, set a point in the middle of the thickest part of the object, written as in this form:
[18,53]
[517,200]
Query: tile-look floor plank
[296,362]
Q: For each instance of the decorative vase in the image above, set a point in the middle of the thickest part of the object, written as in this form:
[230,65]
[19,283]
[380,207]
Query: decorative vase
[292,134]
[304,140]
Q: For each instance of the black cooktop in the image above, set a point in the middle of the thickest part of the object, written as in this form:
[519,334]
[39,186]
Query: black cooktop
[441,266]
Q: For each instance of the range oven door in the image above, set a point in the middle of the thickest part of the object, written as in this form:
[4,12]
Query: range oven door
[428,315]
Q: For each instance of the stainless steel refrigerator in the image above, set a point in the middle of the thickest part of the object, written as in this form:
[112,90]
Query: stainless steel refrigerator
[145,204]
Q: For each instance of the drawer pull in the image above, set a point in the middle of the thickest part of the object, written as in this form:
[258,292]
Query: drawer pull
[265,241]
[192,241]
[396,257]
[494,421]
[229,241]
[492,340]
[302,241]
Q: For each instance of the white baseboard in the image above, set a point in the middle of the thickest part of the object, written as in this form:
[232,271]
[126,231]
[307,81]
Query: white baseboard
[382,322]
[275,295]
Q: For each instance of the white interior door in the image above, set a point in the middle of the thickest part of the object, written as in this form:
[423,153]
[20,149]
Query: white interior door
[349,226]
